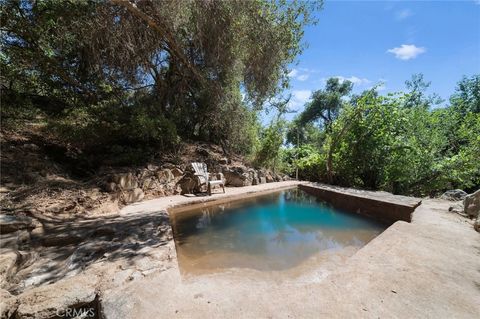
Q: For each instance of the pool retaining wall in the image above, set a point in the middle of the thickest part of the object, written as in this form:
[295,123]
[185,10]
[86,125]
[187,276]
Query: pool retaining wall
[383,206]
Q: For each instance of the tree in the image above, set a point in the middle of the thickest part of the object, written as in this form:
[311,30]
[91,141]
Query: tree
[326,104]
[182,62]
[467,95]
[416,95]
[384,142]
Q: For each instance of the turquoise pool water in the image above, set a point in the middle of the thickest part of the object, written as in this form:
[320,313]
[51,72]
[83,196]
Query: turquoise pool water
[275,231]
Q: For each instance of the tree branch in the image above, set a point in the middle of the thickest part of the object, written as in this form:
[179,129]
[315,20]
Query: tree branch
[163,31]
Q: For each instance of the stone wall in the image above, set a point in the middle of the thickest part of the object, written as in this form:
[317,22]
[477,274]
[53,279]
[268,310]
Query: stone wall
[152,181]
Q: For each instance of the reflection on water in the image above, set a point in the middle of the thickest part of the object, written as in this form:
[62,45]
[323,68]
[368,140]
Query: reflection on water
[270,232]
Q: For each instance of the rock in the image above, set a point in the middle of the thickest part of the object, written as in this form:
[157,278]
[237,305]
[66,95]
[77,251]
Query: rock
[169,166]
[125,181]
[53,301]
[476,225]
[237,176]
[472,204]
[111,187]
[269,178]
[144,173]
[177,172]
[188,184]
[8,304]
[165,176]
[454,194]
[277,177]
[262,180]
[223,161]
[253,176]
[152,167]
[11,223]
[149,183]
[8,264]
[133,195]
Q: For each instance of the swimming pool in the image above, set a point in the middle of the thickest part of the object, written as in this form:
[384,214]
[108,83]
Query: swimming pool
[274,231]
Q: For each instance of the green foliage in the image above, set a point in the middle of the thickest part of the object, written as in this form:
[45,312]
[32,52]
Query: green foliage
[467,96]
[326,104]
[396,143]
[309,161]
[272,137]
[307,134]
[102,74]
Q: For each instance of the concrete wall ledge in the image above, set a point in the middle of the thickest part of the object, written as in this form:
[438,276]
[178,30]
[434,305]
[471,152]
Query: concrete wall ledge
[382,206]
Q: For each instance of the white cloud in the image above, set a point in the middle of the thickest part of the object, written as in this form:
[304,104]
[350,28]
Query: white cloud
[303,77]
[407,51]
[354,79]
[293,73]
[299,98]
[301,74]
[403,14]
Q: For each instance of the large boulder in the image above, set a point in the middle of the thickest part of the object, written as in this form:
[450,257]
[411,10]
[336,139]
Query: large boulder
[9,260]
[237,176]
[177,172]
[188,184]
[277,177]
[471,204]
[165,176]
[143,173]
[125,181]
[8,304]
[269,177]
[253,175]
[454,194]
[152,167]
[150,183]
[53,301]
[133,195]
[476,224]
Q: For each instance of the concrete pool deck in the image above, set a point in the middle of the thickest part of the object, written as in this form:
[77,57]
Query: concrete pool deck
[429,268]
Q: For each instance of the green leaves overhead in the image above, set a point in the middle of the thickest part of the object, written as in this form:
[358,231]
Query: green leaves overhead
[190,60]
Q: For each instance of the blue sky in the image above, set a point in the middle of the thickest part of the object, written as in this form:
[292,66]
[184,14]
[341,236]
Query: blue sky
[370,42]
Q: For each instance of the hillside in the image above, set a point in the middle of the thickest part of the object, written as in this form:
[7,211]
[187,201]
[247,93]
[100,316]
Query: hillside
[40,175]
